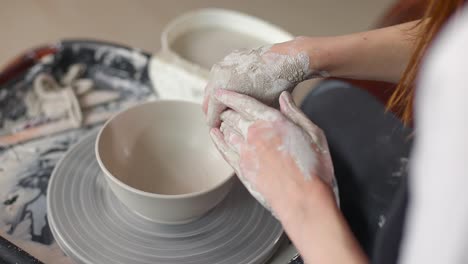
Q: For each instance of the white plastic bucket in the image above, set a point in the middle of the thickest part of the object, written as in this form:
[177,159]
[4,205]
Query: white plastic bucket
[177,75]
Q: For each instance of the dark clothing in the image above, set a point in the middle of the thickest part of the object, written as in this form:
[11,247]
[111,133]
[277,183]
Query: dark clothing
[369,148]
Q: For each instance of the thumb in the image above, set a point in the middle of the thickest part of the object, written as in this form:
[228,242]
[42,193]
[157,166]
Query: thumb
[293,113]
[290,110]
[215,108]
[206,98]
[210,88]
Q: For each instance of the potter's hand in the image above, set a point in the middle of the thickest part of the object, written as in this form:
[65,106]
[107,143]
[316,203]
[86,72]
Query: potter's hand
[276,154]
[261,73]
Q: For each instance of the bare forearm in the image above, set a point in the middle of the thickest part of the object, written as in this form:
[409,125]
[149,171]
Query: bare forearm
[318,229]
[380,55]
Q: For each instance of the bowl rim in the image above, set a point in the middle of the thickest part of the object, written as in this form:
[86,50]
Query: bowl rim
[129,188]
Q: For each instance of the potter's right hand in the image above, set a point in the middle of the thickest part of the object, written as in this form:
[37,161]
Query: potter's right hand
[278,155]
[261,73]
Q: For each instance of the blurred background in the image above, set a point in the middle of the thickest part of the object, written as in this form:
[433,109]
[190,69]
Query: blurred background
[25,24]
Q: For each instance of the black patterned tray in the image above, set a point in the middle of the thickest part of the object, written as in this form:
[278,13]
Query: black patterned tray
[25,168]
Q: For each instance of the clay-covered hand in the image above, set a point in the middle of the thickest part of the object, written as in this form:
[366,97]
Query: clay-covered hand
[261,73]
[276,153]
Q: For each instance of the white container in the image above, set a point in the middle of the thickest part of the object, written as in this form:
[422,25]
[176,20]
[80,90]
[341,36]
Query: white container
[194,41]
[159,161]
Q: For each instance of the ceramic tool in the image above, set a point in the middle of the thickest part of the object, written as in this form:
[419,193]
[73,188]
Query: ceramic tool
[62,108]
[52,128]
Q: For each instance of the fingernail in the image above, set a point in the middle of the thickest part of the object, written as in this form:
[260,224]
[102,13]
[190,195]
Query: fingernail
[208,120]
[286,96]
[222,127]
[225,115]
[215,138]
[205,105]
[281,98]
[283,102]
[212,132]
[218,93]
[222,95]
[288,100]
[216,134]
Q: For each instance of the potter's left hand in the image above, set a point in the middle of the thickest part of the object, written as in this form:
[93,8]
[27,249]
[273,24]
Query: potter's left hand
[261,73]
[278,155]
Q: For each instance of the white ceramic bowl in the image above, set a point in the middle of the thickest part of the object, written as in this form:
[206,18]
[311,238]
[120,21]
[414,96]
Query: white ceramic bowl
[159,161]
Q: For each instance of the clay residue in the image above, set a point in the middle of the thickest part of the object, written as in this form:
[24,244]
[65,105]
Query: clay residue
[261,74]
[296,145]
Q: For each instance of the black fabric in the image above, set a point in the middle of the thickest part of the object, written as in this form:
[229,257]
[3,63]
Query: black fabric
[370,149]
[388,240]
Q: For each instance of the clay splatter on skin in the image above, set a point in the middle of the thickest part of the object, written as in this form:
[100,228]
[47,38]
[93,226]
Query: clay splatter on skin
[259,73]
[296,145]
[232,156]
[300,140]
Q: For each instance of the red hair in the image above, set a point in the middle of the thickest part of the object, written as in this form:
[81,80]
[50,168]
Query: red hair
[437,13]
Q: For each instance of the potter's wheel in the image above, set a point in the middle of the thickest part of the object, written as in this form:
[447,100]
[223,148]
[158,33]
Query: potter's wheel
[92,226]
